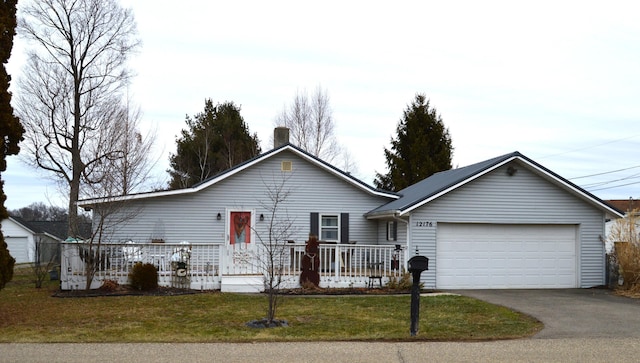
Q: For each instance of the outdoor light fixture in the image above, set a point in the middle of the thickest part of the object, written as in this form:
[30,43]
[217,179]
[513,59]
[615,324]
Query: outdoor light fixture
[511,170]
[261,217]
[219,216]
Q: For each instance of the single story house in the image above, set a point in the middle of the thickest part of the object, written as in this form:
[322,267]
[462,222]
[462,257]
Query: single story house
[22,236]
[506,222]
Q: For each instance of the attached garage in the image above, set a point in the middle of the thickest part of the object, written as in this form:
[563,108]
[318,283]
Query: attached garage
[498,256]
[506,222]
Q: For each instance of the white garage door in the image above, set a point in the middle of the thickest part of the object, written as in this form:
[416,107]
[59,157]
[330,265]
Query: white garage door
[18,248]
[493,256]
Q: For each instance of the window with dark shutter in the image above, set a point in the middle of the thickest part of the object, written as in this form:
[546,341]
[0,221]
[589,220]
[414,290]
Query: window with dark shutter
[330,227]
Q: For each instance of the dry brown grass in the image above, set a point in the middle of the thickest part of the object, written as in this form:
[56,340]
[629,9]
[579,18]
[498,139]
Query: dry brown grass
[627,252]
[628,255]
[33,315]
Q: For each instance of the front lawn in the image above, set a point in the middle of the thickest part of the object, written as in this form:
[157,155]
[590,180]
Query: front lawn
[33,315]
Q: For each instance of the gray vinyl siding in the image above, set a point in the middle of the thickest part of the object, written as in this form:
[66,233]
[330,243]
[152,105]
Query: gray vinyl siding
[192,217]
[401,233]
[524,198]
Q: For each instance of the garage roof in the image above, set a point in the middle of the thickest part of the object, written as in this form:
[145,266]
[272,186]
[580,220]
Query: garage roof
[443,182]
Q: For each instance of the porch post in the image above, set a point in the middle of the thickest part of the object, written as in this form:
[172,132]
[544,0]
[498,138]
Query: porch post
[336,261]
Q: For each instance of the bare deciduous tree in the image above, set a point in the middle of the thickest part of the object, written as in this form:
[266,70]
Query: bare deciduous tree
[107,215]
[273,253]
[46,256]
[133,162]
[70,96]
[312,128]
[310,121]
[40,211]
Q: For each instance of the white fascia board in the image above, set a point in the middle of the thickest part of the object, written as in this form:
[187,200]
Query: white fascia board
[164,193]
[88,202]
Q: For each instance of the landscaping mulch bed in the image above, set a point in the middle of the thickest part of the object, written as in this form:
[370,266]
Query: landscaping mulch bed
[126,291]
[345,291]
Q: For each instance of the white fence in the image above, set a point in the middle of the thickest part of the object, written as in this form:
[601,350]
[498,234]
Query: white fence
[204,266]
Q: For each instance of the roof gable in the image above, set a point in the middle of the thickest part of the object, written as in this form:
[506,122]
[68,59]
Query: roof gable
[50,229]
[444,182]
[248,164]
[25,225]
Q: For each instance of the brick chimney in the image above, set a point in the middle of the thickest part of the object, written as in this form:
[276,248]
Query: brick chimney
[280,136]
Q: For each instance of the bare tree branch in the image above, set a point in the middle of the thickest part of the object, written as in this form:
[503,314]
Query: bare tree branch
[70,98]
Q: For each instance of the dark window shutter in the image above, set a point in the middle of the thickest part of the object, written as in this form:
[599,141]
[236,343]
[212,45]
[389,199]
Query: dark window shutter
[395,231]
[392,231]
[344,227]
[314,226]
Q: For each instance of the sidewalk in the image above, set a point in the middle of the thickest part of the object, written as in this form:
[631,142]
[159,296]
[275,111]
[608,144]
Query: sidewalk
[529,350]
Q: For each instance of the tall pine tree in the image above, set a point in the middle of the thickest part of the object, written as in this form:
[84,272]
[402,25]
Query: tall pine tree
[216,140]
[10,128]
[422,147]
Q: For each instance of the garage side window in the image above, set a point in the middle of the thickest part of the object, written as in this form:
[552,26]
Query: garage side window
[330,227]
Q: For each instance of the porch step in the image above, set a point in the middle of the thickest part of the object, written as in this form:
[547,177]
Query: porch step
[242,283]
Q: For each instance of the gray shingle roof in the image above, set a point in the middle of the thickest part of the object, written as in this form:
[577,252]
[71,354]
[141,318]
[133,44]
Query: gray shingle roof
[437,183]
[441,182]
[54,228]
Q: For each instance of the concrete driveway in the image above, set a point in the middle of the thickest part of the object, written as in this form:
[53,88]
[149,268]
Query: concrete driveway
[571,313]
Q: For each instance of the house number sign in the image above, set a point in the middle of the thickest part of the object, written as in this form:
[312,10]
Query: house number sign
[425,224]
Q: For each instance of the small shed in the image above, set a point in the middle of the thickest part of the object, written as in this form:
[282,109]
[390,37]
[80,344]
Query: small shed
[22,236]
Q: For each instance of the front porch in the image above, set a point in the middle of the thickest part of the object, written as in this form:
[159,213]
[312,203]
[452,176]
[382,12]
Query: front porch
[229,268]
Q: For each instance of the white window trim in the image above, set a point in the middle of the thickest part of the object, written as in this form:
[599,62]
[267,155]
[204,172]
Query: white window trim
[321,227]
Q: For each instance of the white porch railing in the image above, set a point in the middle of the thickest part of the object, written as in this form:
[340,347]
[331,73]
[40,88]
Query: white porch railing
[114,262]
[203,266]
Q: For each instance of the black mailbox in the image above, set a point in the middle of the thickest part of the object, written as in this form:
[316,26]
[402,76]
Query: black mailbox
[418,264]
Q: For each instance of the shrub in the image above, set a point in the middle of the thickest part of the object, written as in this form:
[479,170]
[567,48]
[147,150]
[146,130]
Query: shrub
[402,283]
[143,276]
[628,255]
[109,285]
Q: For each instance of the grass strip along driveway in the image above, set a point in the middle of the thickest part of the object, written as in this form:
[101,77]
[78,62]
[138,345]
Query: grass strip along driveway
[28,314]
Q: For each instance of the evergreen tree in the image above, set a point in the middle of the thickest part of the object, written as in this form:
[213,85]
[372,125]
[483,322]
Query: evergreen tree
[216,140]
[10,128]
[422,147]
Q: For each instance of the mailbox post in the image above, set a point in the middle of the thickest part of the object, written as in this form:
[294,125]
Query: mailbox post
[416,265]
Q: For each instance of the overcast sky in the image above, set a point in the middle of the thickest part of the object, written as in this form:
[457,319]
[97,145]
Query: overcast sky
[558,81]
